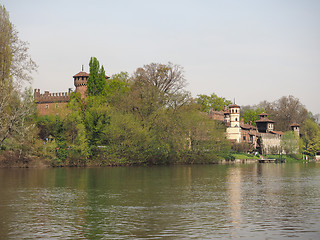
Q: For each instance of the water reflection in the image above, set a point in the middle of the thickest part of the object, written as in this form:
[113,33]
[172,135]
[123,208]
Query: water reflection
[254,201]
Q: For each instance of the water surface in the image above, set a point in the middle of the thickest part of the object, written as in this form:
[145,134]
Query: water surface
[248,201]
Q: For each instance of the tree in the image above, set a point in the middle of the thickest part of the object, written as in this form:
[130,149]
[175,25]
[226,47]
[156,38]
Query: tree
[156,87]
[290,142]
[167,78]
[16,106]
[250,115]
[311,137]
[212,102]
[97,78]
[116,86]
[285,111]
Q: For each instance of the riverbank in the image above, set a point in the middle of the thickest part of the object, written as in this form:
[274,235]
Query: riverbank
[11,159]
[15,159]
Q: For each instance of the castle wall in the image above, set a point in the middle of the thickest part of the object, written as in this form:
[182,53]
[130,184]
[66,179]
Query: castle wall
[217,115]
[50,103]
[50,108]
[234,134]
[270,143]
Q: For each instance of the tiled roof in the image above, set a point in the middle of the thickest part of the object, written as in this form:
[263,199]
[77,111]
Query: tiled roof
[234,106]
[84,74]
[264,120]
[247,126]
[277,132]
[295,125]
[81,74]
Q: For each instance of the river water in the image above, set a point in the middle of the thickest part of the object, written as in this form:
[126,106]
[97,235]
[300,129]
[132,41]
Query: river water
[245,201]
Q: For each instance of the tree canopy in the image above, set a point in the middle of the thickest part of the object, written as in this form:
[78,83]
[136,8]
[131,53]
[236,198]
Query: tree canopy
[97,78]
[285,111]
[250,115]
[212,102]
[16,105]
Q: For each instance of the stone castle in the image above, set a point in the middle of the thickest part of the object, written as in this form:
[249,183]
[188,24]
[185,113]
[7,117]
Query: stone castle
[262,138]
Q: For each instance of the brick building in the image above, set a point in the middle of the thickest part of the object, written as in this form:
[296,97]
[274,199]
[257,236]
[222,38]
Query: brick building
[52,103]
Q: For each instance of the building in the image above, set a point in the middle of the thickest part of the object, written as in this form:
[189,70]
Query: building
[262,137]
[51,103]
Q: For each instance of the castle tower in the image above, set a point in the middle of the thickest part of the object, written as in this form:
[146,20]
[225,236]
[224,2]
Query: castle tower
[295,127]
[233,132]
[234,112]
[80,82]
[264,124]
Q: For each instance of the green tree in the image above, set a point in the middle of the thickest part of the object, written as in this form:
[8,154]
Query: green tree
[116,86]
[250,115]
[290,142]
[97,78]
[212,102]
[16,66]
[311,137]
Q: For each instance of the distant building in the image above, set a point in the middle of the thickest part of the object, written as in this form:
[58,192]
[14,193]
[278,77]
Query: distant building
[51,103]
[262,137]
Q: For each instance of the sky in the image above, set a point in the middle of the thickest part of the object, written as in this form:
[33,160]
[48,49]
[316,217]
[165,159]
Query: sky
[247,51]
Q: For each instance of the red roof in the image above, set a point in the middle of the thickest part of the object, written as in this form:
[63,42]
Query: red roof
[81,74]
[247,126]
[277,132]
[264,120]
[84,74]
[234,106]
[295,125]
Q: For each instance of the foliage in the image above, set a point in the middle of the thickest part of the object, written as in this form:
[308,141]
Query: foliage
[285,111]
[116,86]
[311,137]
[97,78]
[16,105]
[146,119]
[212,102]
[290,142]
[250,115]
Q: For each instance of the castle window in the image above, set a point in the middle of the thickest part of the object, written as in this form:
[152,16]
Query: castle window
[232,111]
[236,119]
[244,138]
[47,106]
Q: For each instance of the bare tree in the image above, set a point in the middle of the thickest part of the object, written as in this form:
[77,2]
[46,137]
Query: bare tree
[285,111]
[167,78]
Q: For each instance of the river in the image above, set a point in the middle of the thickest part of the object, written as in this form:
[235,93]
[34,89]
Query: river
[240,201]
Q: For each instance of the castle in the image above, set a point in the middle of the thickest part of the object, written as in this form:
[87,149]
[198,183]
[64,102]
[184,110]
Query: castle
[261,138]
[50,103]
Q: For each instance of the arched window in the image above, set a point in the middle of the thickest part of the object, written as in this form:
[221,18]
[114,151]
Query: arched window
[232,111]
[236,119]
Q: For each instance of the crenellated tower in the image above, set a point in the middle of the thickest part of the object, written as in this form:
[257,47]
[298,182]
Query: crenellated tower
[80,82]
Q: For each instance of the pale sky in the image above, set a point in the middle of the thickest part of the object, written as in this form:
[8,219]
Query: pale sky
[248,50]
